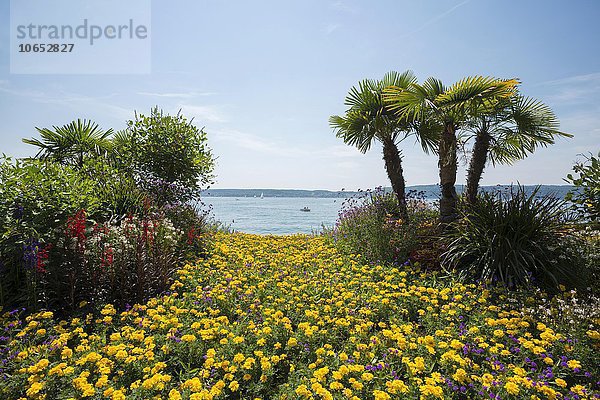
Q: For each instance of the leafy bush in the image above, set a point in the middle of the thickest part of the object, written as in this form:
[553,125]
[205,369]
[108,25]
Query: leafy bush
[168,155]
[586,196]
[366,226]
[514,238]
[117,191]
[120,200]
[36,200]
[37,196]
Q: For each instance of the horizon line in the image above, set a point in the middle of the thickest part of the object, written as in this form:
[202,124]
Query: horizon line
[385,187]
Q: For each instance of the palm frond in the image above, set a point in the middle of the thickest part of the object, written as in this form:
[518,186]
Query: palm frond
[71,142]
[475,90]
[368,119]
[526,125]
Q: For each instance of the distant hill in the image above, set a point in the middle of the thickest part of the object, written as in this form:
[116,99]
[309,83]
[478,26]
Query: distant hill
[428,191]
[275,193]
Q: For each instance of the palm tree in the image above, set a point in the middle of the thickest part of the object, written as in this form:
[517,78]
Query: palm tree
[508,131]
[71,144]
[368,119]
[451,108]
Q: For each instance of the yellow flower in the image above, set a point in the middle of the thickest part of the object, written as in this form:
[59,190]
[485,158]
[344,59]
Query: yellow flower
[560,382]
[593,334]
[193,384]
[431,390]
[396,386]
[578,389]
[118,395]
[34,389]
[188,338]
[460,375]
[367,376]
[238,340]
[303,391]
[381,395]
[511,388]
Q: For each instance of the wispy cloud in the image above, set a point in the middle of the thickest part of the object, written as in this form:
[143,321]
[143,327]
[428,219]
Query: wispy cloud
[179,95]
[585,126]
[73,101]
[340,151]
[247,141]
[574,89]
[343,6]
[33,94]
[203,112]
[585,78]
[259,144]
[329,29]
[435,19]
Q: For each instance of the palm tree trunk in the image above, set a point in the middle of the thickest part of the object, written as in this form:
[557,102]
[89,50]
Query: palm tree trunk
[448,164]
[393,166]
[477,164]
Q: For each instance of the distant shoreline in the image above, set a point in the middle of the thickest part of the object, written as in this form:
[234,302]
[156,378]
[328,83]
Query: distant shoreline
[428,191]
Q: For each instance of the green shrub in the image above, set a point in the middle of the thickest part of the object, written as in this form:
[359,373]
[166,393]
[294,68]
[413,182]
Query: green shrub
[366,226]
[586,196]
[126,247]
[514,238]
[37,196]
[168,156]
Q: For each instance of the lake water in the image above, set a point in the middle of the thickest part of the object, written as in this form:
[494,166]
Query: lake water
[282,215]
[275,215]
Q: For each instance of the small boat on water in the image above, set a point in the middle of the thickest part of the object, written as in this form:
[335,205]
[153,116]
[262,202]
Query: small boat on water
[305,209]
[262,195]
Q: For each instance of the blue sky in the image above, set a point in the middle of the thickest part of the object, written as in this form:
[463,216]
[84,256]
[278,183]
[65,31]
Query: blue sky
[263,77]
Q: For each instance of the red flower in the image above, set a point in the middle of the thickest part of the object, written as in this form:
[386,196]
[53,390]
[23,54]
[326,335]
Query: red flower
[107,257]
[191,235]
[42,258]
[76,225]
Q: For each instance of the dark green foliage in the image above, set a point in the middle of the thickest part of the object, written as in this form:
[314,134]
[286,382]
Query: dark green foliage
[586,196]
[117,191]
[167,155]
[514,238]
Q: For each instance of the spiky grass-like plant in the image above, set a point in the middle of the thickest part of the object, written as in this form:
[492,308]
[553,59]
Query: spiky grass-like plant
[515,238]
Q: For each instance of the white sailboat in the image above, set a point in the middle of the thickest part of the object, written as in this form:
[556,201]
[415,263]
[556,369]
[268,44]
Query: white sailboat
[262,195]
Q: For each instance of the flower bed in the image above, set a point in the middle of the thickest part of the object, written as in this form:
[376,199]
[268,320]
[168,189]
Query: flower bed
[289,317]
